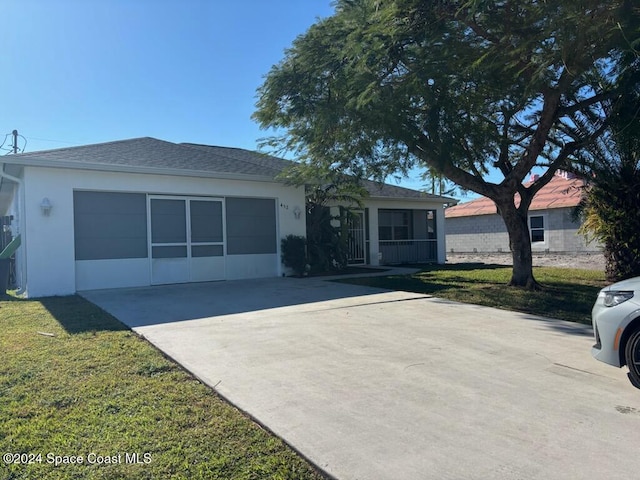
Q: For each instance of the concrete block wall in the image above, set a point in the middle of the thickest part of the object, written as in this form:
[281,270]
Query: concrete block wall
[488,234]
[484,233]
[572,241]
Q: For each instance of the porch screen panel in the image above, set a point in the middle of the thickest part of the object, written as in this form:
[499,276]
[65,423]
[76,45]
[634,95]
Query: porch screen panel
[206,221]
[432,231]
[168,221]
[394,224]
[385,225]
[109,225]
[251,226]
[424,225]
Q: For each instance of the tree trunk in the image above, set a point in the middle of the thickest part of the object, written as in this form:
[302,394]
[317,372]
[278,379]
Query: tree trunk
[517,225]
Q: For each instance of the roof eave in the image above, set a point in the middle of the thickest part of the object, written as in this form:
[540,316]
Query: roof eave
[36,162]
[415,199]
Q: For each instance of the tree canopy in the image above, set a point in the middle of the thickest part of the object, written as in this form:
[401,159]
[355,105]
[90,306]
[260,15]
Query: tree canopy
[461,88]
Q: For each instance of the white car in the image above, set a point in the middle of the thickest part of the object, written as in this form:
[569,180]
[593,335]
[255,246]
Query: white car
[616,326]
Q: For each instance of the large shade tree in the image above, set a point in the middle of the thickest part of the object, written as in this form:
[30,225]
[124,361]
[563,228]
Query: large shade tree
[461,88]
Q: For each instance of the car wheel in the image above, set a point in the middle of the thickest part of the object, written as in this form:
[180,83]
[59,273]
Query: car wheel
[632,356]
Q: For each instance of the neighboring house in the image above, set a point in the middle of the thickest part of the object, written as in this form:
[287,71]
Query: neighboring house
[475,226]
[144,212]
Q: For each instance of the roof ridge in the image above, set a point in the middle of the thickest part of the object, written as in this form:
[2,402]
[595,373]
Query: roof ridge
[191,144]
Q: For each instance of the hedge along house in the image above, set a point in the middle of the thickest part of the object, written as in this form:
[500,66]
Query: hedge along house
[144,212]
[476,226]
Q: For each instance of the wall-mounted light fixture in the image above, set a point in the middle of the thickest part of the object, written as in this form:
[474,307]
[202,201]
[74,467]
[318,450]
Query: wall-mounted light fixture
[297,212]
[45,206]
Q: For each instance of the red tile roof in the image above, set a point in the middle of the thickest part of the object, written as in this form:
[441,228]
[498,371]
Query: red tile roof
[560,192]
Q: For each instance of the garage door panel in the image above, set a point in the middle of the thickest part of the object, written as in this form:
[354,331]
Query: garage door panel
[251,226]
[109,225]
[180,238]
[109,248]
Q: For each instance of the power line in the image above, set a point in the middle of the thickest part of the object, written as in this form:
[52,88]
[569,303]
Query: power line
[52,141]
[4,141]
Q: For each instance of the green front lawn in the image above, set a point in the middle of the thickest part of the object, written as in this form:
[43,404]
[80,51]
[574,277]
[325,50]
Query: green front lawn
[569,294]
[76,382]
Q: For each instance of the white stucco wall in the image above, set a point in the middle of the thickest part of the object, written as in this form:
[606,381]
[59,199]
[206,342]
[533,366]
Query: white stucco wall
[49,240]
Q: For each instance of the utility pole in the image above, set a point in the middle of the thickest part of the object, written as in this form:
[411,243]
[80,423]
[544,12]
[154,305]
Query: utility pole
[15,141]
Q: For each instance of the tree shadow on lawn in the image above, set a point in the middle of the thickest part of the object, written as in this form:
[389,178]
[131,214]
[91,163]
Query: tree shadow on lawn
[456,266]
[77,315]
[557,300]
[567,303]
[74,313]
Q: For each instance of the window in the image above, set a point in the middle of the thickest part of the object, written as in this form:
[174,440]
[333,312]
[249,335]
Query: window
[394,224]
[536,227]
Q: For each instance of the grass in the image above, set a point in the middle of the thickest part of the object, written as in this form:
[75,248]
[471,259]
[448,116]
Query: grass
[75,381]
[568,294]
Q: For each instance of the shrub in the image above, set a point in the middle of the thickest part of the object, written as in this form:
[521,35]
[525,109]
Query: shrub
[327,249]
[294,253]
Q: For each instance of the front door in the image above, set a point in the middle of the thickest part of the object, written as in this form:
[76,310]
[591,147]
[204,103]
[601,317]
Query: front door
[186,239]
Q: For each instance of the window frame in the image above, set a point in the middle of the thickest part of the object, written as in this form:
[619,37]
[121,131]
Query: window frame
[394,227]
[544,229]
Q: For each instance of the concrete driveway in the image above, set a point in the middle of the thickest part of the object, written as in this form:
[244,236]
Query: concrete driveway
[371,384]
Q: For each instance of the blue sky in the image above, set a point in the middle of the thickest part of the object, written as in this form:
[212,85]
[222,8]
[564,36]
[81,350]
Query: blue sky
[79,71]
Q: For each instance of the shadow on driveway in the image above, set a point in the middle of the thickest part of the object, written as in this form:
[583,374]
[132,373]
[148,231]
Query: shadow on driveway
[138,307]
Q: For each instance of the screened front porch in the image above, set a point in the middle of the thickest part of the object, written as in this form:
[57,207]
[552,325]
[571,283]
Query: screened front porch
[407,236]
[403,236]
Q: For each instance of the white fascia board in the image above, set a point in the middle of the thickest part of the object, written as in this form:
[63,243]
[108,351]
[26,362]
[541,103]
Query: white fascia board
[35,162]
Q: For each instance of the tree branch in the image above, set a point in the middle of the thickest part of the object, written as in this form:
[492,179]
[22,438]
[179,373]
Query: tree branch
[421,147]
[548,115]
[576,107]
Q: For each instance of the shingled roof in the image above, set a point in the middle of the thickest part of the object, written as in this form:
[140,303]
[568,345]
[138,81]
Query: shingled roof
[145,155]
[260,160]
[562,191]
[385,190]
[150,155]
[375,189]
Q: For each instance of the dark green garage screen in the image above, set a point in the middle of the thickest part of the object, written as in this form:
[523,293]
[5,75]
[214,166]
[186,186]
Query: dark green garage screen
[251,226]
[110,225]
